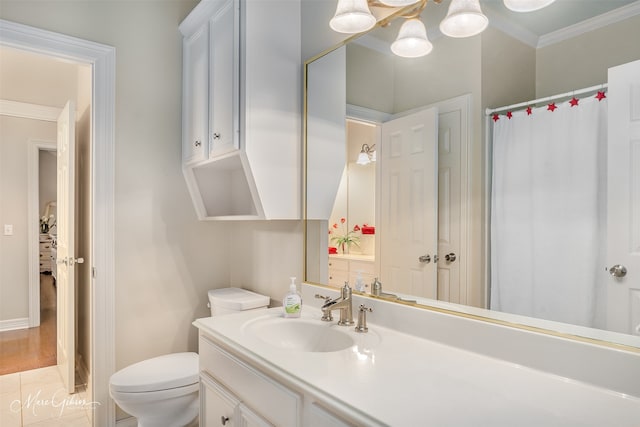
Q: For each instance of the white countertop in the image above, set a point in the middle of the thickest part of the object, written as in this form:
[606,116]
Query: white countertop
[402,380]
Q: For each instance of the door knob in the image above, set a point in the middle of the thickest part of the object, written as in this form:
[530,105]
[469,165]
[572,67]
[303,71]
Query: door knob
[618,270]
[425,259]
[197,143]
[216,135]
[450,257]
[61,261]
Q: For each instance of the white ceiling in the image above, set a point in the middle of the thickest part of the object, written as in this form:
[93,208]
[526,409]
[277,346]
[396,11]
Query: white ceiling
[558,15]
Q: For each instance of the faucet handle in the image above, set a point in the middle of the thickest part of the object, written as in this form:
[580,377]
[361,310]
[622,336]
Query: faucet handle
[322,297]
[362,318]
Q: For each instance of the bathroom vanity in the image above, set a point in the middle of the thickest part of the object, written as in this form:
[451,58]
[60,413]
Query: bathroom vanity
[258,368]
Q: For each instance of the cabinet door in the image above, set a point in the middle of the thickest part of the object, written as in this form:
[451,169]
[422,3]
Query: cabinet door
[217,405]
[247,418]
[196,96]
[224,111]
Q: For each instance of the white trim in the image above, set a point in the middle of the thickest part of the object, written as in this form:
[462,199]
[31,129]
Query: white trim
[522,34]
[13,324]
[102,59]
[612,17]
[29,111]
[367,114]
[33,232]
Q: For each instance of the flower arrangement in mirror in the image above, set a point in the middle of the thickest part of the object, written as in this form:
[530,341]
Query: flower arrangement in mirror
[47,223]
[347,238]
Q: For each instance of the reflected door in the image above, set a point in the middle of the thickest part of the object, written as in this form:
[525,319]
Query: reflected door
[65,282]
[623,192]
[408,203]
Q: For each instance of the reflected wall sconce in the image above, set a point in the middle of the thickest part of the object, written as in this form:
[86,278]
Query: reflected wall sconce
[367,154]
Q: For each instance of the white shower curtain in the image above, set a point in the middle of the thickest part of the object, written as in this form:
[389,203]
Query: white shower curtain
[548,211]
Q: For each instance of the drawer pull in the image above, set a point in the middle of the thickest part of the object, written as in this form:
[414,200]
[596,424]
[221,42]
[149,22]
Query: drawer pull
[224,420]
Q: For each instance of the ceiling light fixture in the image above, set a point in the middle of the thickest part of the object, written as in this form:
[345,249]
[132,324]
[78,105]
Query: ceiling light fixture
[464,19]
[526,5]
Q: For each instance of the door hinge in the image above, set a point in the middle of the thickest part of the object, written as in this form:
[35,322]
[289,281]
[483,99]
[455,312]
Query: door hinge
[93,272]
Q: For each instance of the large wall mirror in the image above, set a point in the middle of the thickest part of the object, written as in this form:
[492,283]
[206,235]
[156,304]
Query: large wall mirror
[399,166]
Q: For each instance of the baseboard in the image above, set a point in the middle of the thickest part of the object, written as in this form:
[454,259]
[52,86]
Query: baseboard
[127,422]
[13,324]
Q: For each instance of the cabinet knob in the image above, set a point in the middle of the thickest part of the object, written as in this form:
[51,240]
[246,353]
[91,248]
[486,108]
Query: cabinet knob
[224,420]
[216,135]
[197,143]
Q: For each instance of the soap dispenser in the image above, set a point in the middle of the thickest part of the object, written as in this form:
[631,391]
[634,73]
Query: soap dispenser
[292,302]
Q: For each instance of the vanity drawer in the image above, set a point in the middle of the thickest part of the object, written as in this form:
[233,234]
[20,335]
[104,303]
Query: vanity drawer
[271,400]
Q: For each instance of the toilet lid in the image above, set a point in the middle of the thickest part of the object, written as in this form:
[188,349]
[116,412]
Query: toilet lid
[160,373]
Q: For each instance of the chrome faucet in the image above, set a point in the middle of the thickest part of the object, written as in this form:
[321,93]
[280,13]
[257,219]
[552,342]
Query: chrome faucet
[342,303]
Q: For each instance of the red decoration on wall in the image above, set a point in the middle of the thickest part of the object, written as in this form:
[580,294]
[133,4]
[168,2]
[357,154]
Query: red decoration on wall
[509,114]
[551,107]
[496,117]
[574,101]
[529,111]
[600,96]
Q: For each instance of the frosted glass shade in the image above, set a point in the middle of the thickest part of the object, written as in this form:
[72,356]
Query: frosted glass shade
[398,3]
[526,5]
[464,19]
[363,158]
[352,16]
[412,40]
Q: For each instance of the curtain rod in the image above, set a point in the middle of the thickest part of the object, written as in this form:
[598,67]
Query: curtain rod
[490,111]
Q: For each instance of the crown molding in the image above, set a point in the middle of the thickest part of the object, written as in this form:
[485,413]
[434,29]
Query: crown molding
[612,17]
[509,27]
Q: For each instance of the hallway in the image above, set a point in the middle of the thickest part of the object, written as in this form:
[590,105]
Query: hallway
[26,349]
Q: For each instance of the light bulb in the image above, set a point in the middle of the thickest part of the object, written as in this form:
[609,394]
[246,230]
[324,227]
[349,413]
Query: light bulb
[464,19]
[412,41]
[526,5]
[352,16]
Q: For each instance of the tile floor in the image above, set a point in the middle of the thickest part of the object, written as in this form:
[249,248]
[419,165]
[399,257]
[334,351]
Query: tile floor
[37,398]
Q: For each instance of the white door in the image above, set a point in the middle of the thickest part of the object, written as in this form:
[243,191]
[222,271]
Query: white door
[65,282]
[623,216]
[409,203]
[450,206]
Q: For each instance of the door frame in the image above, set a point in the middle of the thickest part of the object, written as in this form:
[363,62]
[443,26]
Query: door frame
[102,60]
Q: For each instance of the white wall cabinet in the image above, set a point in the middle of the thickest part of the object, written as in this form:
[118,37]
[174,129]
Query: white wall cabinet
[242,98]
[235,393]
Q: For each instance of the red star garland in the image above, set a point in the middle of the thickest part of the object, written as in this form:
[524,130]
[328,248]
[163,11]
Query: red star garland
[529,111]
[509,114]
[496,118]
[574,102]
[551,107]
[600,96]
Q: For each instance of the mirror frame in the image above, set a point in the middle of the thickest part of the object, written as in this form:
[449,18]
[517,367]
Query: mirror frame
[567,331]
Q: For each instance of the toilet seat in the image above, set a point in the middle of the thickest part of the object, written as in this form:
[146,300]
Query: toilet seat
[166,372]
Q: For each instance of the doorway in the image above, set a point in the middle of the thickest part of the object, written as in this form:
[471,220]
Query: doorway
[101,60]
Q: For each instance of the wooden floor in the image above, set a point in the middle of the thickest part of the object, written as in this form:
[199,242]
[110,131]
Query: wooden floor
[32,348]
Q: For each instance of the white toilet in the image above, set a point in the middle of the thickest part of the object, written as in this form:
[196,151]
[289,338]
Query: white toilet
[163,391]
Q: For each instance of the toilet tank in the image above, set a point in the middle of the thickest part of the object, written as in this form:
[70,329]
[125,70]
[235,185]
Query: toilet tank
[233,300]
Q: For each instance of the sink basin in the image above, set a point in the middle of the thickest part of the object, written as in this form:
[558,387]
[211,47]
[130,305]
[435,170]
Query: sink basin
[299,334]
